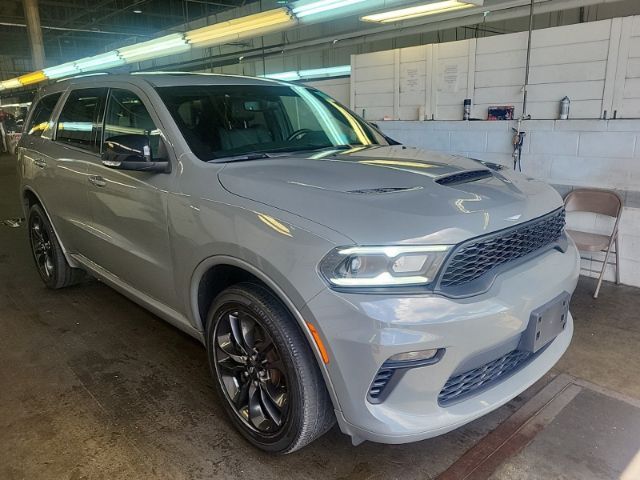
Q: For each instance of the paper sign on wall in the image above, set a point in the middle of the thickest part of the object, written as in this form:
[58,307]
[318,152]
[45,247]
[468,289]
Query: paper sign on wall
[450,78]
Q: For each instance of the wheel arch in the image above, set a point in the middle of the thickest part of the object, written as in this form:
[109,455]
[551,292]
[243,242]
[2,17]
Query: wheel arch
[223,271]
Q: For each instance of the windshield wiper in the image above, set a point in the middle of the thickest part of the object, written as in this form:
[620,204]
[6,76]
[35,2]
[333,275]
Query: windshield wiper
[239,158]
[268,153]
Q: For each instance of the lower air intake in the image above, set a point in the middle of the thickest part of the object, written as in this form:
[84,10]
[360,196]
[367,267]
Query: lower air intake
[472,382]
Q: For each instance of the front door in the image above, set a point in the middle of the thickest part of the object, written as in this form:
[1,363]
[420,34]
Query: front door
[129,209]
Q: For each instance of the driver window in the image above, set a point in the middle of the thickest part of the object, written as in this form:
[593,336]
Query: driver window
[127,115]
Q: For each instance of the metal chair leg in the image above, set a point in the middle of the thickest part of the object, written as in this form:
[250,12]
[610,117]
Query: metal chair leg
[617,261]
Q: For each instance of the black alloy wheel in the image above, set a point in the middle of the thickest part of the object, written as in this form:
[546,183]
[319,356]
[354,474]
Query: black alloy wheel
[265,371]
[52,266]
[42,248]
[251,370]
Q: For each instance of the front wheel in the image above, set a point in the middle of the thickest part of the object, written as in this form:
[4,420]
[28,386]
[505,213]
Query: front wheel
[265,372]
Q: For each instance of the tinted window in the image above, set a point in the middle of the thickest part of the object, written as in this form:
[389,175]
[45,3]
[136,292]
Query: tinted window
[40,120]
[225,120]
[79,118]
[127,115]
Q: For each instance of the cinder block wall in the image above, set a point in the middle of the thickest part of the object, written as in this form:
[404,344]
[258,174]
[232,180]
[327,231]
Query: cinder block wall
[566,154]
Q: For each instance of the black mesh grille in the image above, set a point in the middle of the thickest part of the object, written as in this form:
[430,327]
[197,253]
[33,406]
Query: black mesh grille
[464,177]
[473,259]
[380,382]
[466,384]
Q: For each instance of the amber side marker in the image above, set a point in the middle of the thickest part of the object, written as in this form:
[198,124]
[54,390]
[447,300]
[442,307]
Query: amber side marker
[318,340]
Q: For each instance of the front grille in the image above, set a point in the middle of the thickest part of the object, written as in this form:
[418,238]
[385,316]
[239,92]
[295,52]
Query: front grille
[473,259]
[464,177]
[469,383]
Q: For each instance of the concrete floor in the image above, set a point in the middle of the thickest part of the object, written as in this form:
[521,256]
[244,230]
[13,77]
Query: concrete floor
[93,386]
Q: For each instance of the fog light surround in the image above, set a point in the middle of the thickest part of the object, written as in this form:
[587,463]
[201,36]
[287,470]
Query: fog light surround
[415,356]
[392,371]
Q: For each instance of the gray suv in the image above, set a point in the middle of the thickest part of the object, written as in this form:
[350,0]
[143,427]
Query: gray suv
[331,273]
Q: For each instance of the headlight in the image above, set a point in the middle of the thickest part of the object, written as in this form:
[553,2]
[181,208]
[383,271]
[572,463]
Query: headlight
[390,266]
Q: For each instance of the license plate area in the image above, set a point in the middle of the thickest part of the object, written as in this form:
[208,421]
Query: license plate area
[546,323]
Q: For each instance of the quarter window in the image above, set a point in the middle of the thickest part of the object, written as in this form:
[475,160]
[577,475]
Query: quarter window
[41,118]
[80,117]
[127,115]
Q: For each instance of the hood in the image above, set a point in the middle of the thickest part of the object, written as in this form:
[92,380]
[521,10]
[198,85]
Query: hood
[383,195]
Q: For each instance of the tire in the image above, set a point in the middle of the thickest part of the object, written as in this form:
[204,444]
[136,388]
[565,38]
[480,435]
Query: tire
[50,262]
[286,404]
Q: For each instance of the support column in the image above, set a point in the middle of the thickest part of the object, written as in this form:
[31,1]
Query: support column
[35,33]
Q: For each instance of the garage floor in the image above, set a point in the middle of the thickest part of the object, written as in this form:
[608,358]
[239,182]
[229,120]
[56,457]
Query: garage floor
[93,386]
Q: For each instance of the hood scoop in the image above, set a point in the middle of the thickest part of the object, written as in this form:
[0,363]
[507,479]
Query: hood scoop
[464,177]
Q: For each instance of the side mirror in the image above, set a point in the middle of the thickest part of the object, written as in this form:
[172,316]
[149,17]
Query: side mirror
[132,152]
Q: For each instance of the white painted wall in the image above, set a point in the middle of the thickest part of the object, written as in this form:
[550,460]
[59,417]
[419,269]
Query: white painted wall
[568,154]
[337,88]
[596,64]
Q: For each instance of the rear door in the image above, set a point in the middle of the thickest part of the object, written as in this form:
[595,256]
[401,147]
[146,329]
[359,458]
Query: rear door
[67,157]
[128,208]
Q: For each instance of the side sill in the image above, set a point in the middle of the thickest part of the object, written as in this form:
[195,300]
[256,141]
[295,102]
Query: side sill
[168,314]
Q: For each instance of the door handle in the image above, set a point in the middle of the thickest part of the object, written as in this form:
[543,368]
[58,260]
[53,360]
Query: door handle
[97,180]
[40,163]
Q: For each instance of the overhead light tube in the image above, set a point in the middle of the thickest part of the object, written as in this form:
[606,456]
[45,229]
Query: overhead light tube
[13,83]
[31,78]
[158,47]
[321,6]
[59,71]
[251,25]
[99,62]
[421,11]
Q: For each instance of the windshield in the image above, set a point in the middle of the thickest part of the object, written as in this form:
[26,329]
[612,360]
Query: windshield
[220,121]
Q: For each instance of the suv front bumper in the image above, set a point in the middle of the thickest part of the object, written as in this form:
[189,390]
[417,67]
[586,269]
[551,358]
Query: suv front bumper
[362,331]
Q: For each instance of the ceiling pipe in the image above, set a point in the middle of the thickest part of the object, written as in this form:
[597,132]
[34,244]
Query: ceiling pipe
[69,29]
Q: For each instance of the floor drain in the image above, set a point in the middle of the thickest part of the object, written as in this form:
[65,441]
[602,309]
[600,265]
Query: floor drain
[13,222]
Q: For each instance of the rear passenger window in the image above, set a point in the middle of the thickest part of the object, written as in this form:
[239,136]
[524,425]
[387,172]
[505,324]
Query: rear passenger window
[80,118]
[40,120]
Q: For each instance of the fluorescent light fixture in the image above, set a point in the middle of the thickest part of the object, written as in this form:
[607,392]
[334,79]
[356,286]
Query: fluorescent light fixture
[239,28]
[13,83]
[98,62]
[31,78]
[286,76]
[312,73]
[158,47]
[60,71]
[321,6]
[421,10]
[326,72]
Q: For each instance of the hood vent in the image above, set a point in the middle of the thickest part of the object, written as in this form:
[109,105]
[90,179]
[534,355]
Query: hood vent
[464,177]
[382,190]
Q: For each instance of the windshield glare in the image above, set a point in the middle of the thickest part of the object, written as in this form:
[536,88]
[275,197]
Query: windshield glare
[220,121]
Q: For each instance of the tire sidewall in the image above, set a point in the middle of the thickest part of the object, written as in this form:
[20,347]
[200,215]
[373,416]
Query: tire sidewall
[288,435]
[53,280]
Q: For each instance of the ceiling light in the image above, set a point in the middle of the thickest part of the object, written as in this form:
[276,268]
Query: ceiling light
[13,83]
[312,73]
[158,47]
[31,78]
[137,10]
[99,62]
[421,10]
[286,76]
[321,6]
[239,28]
[63,70]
